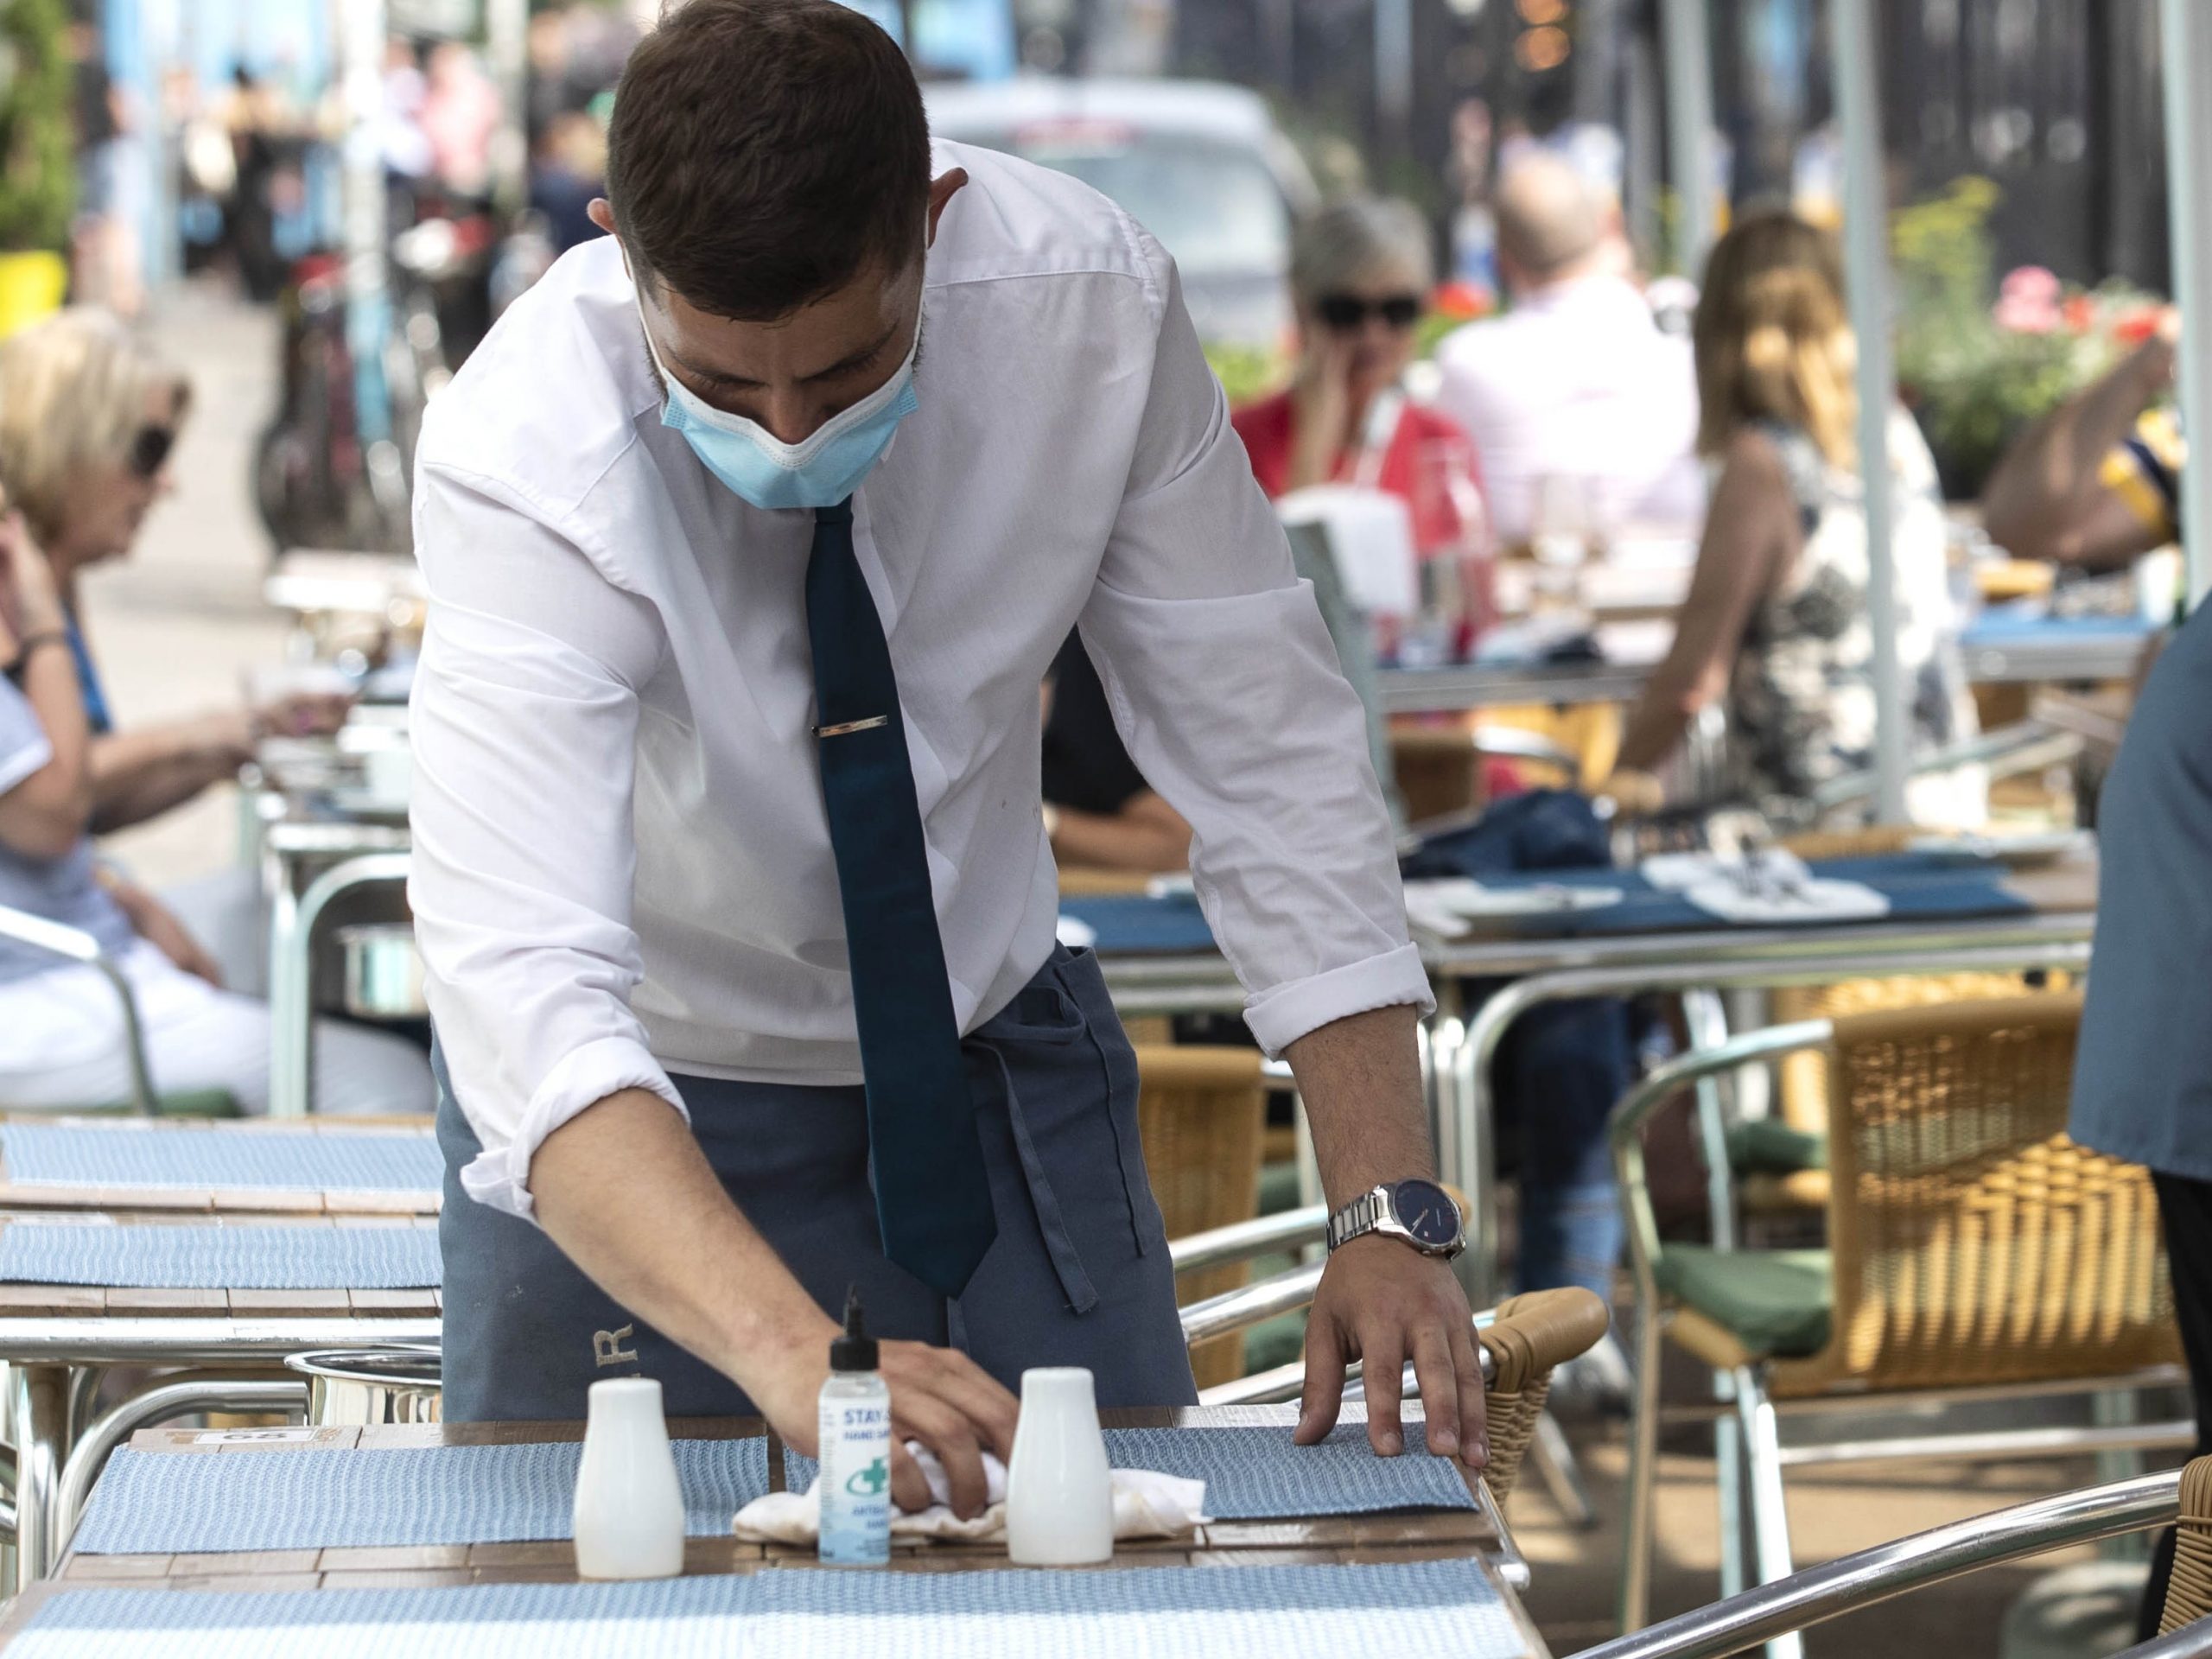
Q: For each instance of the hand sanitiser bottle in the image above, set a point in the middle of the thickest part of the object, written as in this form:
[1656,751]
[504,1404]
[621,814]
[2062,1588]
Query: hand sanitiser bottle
[855,1431]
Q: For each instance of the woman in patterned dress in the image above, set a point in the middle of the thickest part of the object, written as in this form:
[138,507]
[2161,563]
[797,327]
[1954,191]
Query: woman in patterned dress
[1776,625]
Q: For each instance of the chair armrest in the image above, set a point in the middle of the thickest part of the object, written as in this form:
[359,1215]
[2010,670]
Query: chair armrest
[55,938]
[1540,1329]
[1240,1241]
[2189,1591]
[74,944]
[1625,1127]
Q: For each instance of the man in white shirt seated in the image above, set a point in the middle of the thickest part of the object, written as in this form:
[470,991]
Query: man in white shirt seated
[1576,382]
[749,534]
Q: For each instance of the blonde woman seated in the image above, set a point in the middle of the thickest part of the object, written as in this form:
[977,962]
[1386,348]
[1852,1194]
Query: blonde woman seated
[1776,625]
[62,1038]
[89,418]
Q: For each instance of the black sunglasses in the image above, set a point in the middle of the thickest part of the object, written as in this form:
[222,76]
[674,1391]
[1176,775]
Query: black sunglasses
[1346,312]
[149,450]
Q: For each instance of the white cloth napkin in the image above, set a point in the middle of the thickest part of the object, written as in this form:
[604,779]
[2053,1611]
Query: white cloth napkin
[1075,933]
[1679,872]
[1146,1505]
[1811,900]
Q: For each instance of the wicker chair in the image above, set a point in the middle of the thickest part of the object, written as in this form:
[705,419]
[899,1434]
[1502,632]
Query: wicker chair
[1969,1240]
[1200,1111]
[2189,1592]
[1533,1334]
[1787,1172]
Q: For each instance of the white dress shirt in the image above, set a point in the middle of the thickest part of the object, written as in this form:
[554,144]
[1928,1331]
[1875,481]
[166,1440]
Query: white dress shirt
[1577,380]
[622,868]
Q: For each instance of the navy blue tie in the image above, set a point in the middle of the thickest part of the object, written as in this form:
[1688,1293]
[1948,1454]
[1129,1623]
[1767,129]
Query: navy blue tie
[932,1193]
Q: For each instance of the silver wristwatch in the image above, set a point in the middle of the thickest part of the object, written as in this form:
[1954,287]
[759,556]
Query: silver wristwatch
[1420,1213]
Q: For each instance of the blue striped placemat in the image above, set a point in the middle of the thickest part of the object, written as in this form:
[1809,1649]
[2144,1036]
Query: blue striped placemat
[197,1158]
[164,1503]
[1256,1474]
[158,1257]
[1154,1613]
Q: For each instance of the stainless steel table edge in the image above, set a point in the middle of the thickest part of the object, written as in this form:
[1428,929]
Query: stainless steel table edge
[41,1357]
[1465,1108]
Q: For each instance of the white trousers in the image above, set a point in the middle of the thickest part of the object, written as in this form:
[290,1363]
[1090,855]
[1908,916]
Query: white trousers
[61,1044]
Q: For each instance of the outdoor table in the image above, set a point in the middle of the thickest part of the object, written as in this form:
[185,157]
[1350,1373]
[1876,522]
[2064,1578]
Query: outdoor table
[220,1166]
[2050,912]
[1466,1547]
[56,1340]
[2001,648]
[348,855]
[1457,688]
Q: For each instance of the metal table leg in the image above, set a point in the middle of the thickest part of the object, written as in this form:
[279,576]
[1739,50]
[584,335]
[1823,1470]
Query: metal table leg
[162,1403]
[1554,1462]
[40,1396]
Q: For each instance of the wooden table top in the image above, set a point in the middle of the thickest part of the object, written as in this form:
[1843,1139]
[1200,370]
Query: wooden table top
[229,1201]
[1423,1535]
[98,1301]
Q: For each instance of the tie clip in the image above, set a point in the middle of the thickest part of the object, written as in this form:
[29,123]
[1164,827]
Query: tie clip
[845,729]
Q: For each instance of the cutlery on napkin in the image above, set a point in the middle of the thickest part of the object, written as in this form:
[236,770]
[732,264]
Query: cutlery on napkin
[1809,899]
[1146,1505]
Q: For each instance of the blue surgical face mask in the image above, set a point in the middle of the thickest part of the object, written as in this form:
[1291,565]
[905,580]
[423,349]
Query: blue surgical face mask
[819,472]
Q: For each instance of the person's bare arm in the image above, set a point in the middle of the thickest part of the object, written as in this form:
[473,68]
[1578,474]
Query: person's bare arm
[1146,834]
[44,816]
[1751,536]
[141,774]
[1380,1300]
[626,1193]
[2046,498]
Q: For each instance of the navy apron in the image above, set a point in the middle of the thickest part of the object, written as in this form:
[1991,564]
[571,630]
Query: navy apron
[1079,1276]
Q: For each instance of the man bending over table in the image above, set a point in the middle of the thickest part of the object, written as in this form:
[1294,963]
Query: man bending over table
[749,534]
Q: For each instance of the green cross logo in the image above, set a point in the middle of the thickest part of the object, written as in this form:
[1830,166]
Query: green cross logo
[871,1481]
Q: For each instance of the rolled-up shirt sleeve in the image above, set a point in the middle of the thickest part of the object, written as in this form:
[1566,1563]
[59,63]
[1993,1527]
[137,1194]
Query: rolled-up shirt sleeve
[1227,690]
[524,725]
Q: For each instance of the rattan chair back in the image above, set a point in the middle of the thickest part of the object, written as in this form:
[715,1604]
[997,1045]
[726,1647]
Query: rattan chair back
[1200,1110]
[1972,1241]
[1803,1100]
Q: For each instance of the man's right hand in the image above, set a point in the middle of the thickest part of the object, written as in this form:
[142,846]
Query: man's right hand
[624,1190]
[938,1396]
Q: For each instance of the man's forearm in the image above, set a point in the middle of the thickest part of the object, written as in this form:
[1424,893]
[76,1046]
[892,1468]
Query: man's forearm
[626,1193]
[1360,1079]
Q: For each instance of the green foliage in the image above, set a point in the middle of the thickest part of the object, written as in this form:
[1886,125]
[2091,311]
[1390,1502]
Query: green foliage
[1248,372]
[1977,375]
[38,184]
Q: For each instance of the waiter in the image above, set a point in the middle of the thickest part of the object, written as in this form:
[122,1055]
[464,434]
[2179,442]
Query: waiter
[749,534]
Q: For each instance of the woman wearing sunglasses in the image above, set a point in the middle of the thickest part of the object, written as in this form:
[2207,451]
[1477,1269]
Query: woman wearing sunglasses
[63,1041]
[1360,272]
[88,419]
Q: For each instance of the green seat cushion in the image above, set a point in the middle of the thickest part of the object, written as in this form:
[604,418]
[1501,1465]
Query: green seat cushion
[1279,1188]
[1766,1147]
[1774,1302]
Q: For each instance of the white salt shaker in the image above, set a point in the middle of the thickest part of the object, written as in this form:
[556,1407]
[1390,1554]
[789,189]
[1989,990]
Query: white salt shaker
[1059,1494]
[629,1516]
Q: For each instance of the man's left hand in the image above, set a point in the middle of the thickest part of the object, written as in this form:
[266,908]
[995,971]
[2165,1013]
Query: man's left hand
[1382,1302]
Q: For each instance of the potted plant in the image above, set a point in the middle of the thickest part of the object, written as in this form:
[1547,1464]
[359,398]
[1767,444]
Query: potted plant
[1978,359]
[38,185]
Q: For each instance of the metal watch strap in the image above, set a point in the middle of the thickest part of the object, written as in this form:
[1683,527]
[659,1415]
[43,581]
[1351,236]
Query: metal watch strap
[1357,1218]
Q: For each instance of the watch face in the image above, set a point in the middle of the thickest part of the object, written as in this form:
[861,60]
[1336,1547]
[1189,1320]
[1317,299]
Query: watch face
[1426,1211]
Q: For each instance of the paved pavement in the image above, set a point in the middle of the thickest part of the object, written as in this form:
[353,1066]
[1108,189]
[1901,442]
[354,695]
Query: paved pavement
[179,624]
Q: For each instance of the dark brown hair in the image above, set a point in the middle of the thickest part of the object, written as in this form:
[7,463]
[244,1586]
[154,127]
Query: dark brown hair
[764,152]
